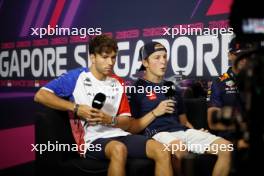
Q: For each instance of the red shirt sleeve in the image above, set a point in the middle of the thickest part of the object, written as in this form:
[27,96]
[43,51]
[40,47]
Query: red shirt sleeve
[124,108]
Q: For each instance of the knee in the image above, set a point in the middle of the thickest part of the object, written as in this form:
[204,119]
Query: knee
[118,150]
[179,149]
[225,149]
[162,155]
[159,152]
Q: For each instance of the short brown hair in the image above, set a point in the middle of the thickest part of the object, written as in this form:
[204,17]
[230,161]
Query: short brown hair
[102,43]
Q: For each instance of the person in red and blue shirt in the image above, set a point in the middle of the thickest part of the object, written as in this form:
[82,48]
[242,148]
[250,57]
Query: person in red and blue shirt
[103,128]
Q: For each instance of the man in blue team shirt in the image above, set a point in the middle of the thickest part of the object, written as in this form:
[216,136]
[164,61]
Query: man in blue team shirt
[224,97]
[165,120]
[75,91]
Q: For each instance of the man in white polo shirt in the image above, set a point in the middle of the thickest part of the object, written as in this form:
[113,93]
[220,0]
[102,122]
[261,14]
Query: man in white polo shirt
[75,92]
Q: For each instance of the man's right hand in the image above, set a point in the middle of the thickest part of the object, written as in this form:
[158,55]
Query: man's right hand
[166,106]
[89,114]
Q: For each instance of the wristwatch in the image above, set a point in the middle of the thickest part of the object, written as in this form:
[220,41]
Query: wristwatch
[113,121]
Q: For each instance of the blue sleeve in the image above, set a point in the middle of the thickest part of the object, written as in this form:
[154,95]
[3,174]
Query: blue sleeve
[64,85]
[215,97]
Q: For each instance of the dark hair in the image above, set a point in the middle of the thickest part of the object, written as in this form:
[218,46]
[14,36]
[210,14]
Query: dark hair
[102,43]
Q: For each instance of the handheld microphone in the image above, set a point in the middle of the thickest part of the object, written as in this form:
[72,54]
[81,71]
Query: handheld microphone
[171,90]
[98,102]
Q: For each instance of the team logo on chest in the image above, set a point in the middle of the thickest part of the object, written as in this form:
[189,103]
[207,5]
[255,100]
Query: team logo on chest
[230,87]
[151,95]
[87,82]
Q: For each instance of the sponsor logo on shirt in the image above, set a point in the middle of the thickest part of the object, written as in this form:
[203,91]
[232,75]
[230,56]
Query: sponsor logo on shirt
[230,87]
[151,95]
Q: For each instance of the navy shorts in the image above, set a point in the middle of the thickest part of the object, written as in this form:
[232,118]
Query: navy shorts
[135,144]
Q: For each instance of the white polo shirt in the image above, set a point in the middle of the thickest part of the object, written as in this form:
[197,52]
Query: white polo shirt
[80,86]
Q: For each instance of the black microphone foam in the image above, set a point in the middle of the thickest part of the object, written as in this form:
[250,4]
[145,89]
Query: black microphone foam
[171,89]
[98,101]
